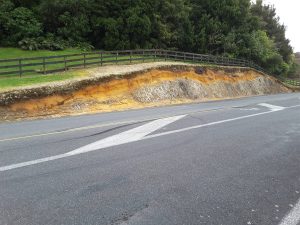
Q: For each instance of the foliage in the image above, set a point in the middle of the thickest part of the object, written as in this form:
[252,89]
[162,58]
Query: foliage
[49,43]
[21,23]
[234,28]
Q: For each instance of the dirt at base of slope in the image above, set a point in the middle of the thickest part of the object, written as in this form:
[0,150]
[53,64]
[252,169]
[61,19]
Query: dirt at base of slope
[154,87]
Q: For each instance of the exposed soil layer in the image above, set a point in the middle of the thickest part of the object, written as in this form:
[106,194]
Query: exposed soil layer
[168,85]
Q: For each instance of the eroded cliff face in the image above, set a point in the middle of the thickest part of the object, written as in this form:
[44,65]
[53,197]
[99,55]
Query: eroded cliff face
[172,85]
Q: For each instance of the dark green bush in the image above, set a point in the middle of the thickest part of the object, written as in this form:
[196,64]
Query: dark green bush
[47,43]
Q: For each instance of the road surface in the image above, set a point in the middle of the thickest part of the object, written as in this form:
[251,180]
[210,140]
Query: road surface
[226,162]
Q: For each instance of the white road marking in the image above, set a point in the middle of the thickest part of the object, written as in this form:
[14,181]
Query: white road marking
[33,162]
[136,137]
[94,127]
[127,136]
[205,125]
[132,135]
[294,106]
[251,109]
[215,123]
[272,107]
[293,217]
[66,131]
[89,127]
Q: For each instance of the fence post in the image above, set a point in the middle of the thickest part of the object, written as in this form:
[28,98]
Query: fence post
[20,67]
[165,56]
[117,54]
[44,65]
[65,63]
[143,56]
[84,60]
[130,56]
[154,55]
[101,58]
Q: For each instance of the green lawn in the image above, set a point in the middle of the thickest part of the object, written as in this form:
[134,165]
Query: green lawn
[12,53]
[10,82]
[36,68]
[41,65]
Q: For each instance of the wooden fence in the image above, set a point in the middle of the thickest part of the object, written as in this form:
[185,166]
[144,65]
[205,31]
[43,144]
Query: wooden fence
[288,81]
[45,65]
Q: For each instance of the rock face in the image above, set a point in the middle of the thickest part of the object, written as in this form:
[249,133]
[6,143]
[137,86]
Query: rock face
[172,85]
[190,89]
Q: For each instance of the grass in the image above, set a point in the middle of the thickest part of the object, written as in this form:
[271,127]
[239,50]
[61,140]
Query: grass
[31,66]
[11,82]
[12,53]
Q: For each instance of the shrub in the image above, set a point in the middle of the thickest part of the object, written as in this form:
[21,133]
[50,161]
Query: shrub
[21,23]
[47,43]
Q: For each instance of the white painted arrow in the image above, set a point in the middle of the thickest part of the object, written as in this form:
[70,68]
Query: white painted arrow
[129,136]
[272,107]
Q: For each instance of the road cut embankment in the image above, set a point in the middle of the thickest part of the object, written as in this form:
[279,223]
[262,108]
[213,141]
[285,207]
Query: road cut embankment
[157,86]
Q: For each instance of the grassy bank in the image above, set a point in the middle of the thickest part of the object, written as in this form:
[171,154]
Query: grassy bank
[12,82]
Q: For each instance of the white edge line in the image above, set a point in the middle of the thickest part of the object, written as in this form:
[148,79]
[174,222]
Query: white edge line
[205,125]
[215,123]
[293,217]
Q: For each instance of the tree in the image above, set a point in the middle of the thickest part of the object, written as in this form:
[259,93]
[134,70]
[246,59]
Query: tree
[234,28]
[21,23]
[269,21]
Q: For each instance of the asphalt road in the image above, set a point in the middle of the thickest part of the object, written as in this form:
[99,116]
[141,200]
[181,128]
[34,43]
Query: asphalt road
[227,162]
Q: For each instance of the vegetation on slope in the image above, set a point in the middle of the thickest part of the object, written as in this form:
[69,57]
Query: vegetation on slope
[13,82]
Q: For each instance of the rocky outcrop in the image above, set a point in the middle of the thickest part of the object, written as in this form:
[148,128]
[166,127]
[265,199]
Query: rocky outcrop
[190,89]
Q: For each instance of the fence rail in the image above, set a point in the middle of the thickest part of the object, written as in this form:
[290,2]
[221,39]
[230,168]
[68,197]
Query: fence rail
[295,83]
[45,65]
